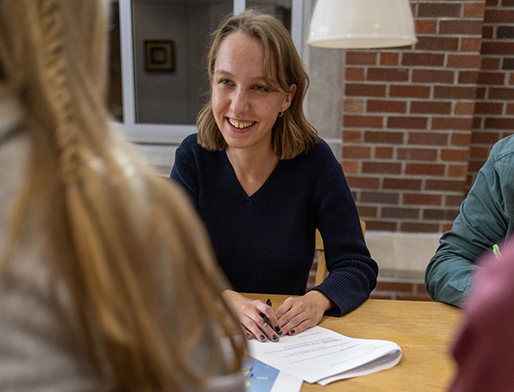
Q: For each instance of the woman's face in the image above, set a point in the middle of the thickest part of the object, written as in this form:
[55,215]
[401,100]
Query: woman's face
[244,108]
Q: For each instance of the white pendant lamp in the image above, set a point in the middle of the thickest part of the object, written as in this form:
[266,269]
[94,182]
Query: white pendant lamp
[362,24]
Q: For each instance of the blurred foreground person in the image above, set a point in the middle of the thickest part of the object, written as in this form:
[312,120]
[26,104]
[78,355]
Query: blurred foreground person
[484,348]
[107,281]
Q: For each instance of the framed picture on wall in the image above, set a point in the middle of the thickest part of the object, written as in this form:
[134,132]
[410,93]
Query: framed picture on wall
[159,56]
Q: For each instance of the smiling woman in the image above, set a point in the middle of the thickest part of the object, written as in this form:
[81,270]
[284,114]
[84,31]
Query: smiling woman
[263,182]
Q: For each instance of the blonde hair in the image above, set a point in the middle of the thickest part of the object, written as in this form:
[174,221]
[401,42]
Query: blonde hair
[292,134]
[86,198]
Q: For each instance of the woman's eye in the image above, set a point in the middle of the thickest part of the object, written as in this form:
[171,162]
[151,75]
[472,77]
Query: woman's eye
[261,88]
[225,82]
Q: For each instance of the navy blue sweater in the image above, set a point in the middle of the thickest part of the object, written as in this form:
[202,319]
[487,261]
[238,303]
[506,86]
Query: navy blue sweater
[265,242]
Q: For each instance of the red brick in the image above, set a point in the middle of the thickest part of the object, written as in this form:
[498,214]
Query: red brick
[444,185]
[502,48]
[380,225]
[388,74]
[352,136]
[388,106]
[487,32]
[407,122]
[361,58]
[479,152]
[432,76]
[428,169]
[428,138]
[438,10]
[461,139]
[490,63]
[463,107]
[367,211]
[427,229]
[395,286]
[409,91]
[488,107]
[425,26]
[440,214]
[499,16]
[381,167]
[510,108]
[511,79]
[383,137]
[354,105]
[414,227]
[417,154]
[389,58]
[501,93]
[400,183]
[421,289]
[354,74]
[480,92]
[452,123]
[365,90]
[363,182]
[454,92]
[457,171]
[438,43]
[356,152]
[381,296]
[468,44]
[460,27]
[421,199]
[446,227]
[468,77]
[454,155]
[400,213]
[453,201]
[362,121]
[431,107]
[384,153]
[496,78]
[379,197]
[350,166]
[499,123]
[474,10]
[463,61]
[423,59]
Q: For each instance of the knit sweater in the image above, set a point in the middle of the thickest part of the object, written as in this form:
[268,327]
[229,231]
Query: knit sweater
[265,242]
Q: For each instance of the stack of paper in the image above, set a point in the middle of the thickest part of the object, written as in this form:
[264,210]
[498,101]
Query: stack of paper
[323,356]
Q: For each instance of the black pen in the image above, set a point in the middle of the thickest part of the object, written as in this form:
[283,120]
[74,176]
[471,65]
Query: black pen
[268,302]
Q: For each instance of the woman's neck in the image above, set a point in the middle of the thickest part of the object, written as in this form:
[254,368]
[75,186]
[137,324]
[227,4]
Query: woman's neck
[252,167]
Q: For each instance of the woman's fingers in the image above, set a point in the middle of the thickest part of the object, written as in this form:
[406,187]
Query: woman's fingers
[257,318]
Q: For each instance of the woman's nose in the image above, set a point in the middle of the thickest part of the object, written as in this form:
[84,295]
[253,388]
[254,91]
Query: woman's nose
[240,101]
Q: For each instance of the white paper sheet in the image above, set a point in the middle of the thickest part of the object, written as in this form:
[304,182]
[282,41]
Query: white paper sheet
[321,355]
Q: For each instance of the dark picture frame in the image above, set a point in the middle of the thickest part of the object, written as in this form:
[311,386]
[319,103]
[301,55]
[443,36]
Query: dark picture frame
[159,56]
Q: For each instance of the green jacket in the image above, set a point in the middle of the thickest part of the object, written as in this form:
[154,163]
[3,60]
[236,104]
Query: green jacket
[485,219]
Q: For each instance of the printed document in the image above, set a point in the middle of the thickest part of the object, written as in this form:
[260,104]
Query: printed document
[323,356]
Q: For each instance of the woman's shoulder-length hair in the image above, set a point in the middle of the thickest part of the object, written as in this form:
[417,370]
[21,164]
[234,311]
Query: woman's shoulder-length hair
[292,134]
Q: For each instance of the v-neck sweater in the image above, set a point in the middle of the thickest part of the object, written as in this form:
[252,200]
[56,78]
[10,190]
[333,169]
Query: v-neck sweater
[265,242]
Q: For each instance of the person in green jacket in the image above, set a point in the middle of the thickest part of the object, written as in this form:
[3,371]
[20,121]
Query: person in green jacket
[484,221]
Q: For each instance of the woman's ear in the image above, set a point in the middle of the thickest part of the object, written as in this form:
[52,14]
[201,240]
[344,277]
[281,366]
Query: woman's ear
[289,97]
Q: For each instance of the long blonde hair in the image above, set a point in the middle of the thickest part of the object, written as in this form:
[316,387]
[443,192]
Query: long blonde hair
[292,134]
[88,199]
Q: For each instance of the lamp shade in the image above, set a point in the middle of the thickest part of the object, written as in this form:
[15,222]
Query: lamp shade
[362,24]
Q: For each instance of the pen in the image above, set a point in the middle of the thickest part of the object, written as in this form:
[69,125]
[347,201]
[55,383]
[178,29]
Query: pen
[496,251]
[268,302]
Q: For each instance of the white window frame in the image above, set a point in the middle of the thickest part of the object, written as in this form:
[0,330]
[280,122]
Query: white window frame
[171,134]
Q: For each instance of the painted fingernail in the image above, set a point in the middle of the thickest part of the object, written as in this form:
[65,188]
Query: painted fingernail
[261,337]
[277,328]
[280,333]
[275,337]
[291,331]
[247,335]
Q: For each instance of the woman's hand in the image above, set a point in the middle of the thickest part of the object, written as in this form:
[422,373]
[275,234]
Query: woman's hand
[251,315]
[297,314]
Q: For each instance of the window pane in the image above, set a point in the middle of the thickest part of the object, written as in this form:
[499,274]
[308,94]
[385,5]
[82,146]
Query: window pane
[171,40]
[281,9]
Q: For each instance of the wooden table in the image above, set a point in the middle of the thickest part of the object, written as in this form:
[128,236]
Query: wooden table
[424,330]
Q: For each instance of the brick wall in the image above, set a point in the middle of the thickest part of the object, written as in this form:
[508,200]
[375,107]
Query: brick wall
[418,122]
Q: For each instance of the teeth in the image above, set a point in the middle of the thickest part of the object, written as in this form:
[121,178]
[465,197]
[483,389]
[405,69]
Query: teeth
[240,125]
